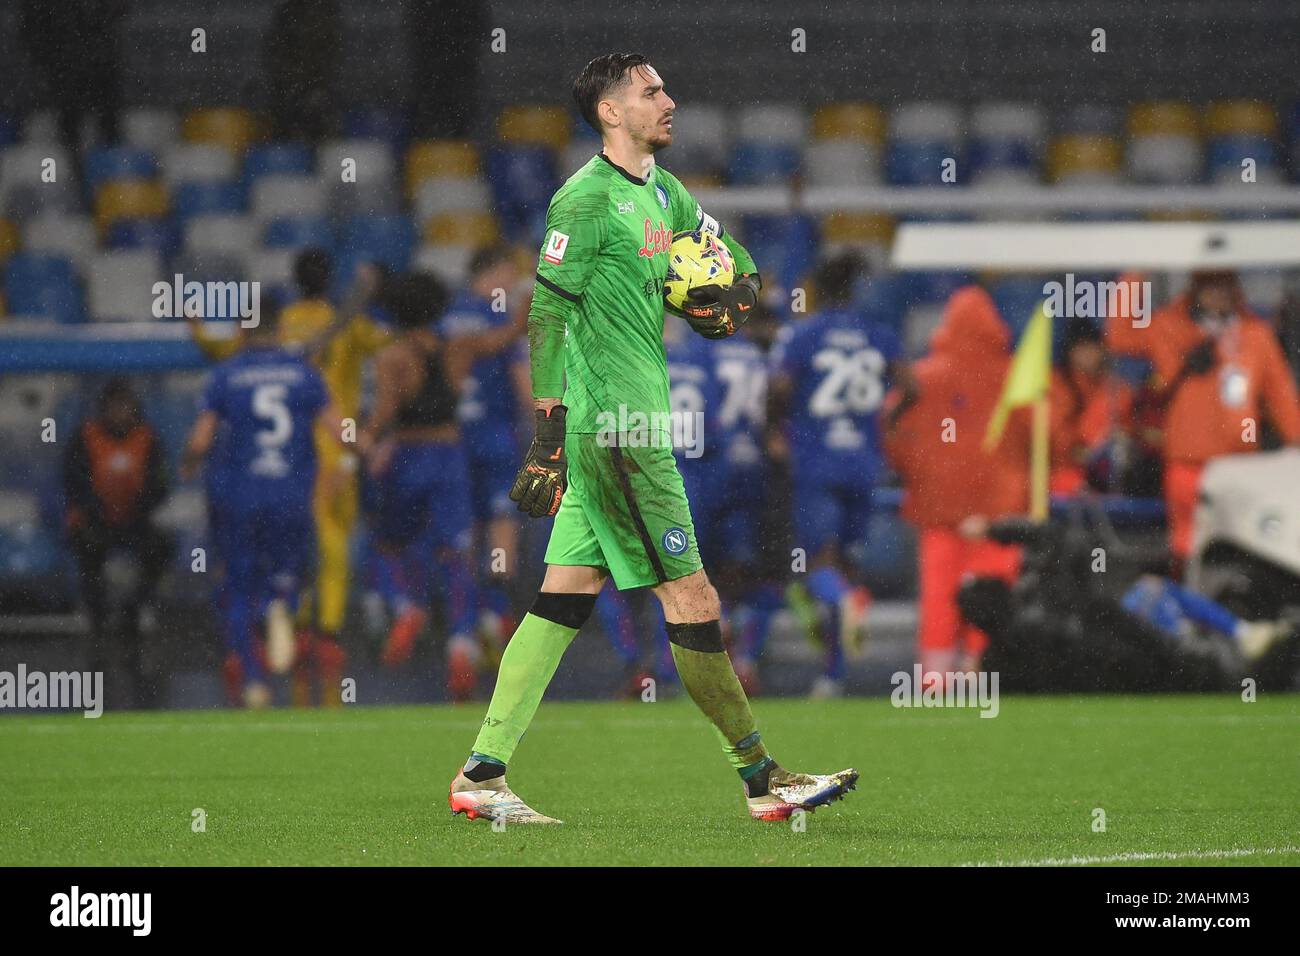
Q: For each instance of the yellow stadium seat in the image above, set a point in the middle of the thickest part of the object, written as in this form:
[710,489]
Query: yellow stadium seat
[856,121]
[129,199]
[227,126]
[857,227]
[440,159]
[1240,118]
[1163,118]
[1084,153]
[9,241]
[535,125]
[461,229]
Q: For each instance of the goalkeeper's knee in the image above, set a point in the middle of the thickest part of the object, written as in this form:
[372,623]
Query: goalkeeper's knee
[567,610]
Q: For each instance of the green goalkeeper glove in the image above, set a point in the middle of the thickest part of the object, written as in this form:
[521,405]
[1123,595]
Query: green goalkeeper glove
[541,481]
[717,311]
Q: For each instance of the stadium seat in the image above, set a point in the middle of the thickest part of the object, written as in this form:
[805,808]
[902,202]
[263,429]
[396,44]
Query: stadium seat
[1084,159]
[22,166]
[841,162]
[234,236]
[72,237]
[297,232]
[866,233]
[450,263]
[156,234]
[10,239]
[378,123]
[1228,152]
[374,161]
[468,229]
[272,267]
[148,128]
[200,198]
[228,126]
[386,239]
[523,181]
[549,126]
[1090,119]
[440,159]
[266,159]
[856,122]
[775,123]
[129,199]
[209,265]
[701,139]
[1241,118]
[350,200]
[287,194]
[1164,143]
[120,285]
[910,163]
[42,286]
[919,322]
[117,162]
[196,163]
[1006,143]
[763,164]
[451,195]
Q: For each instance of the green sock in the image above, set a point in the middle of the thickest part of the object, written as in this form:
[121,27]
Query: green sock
[527,666]
[712,683]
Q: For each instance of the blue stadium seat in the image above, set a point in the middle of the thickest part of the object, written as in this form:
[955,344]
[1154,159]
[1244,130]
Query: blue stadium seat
[200,198]
[298,232]
[43,285]
[269,158]
[157,234]
[118,162]
[755,164]
[921,164]
[523,181]
[377,122]
[386,239]
[783,246]
[995,155]
[1227,152]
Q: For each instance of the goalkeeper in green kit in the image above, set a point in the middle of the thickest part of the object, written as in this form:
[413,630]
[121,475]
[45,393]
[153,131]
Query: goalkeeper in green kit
[595,335]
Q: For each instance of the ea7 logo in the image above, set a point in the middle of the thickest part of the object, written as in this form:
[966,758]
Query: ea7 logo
[133,910]
[555,247]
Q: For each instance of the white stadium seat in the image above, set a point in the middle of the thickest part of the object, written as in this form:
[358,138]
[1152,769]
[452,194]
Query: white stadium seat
[120,284]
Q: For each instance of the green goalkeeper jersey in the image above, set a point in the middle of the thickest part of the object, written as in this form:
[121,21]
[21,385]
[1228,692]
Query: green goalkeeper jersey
[597,319]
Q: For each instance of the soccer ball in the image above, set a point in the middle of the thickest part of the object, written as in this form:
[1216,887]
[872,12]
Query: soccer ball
[695,259]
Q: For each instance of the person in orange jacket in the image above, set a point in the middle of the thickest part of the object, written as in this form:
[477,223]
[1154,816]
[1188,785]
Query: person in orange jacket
[1091,410]
[1219,369]
[935,427]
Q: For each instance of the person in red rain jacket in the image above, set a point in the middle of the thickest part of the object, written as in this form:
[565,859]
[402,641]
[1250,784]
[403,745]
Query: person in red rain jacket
[114,480]
[1091,413]
[953,487]
[1219,369]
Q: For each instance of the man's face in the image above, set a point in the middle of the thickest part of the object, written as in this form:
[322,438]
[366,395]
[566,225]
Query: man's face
[1216,301]
[645,111]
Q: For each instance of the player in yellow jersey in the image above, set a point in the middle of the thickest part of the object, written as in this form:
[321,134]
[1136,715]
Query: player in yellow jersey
[341,345]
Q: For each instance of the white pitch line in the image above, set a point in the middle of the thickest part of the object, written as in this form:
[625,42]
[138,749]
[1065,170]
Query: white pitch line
[1141,857]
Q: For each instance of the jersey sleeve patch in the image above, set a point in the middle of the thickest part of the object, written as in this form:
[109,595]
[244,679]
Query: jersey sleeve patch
[555,246]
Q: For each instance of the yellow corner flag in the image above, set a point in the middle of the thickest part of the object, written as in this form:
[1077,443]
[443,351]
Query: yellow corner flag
[1029,375]
[1027,384]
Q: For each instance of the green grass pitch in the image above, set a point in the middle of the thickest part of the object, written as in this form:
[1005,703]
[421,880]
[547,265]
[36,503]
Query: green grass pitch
[1195,780]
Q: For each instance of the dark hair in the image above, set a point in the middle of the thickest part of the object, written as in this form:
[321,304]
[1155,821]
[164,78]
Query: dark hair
[415,300]
[270,304]
[835,277]
[312,270]
[119,389]
[598,77]
[489,256]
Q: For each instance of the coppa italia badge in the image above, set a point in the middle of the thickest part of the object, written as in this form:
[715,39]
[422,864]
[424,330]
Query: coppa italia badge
[555,247]
[657,240]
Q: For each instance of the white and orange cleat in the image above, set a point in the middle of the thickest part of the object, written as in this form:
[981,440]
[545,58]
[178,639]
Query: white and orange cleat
[788,792]
[492,800]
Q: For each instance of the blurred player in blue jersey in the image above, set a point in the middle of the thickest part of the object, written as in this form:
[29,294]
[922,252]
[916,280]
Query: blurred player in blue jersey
[829,377]
[267,401]
[495,393]
[419,490]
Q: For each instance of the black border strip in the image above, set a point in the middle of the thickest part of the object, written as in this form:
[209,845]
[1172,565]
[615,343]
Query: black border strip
[625,482]
[557,290]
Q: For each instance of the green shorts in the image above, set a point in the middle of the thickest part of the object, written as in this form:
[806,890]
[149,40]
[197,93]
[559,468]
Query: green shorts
[624,510]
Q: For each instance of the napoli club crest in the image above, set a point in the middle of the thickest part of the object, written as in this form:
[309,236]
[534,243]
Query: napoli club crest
[675,541]
[662,194]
